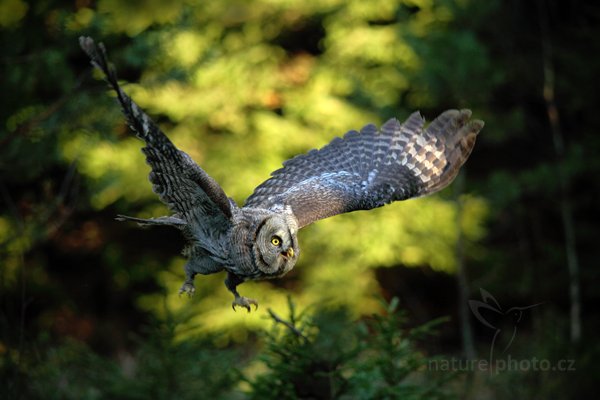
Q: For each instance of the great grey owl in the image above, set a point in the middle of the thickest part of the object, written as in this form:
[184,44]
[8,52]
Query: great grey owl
[361,171]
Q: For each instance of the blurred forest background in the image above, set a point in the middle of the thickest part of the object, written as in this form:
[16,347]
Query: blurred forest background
[89,306]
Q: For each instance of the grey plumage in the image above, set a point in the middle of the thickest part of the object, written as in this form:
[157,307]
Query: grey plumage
[361,171]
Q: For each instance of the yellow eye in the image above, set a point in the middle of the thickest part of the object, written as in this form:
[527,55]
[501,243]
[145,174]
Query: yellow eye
[275,241]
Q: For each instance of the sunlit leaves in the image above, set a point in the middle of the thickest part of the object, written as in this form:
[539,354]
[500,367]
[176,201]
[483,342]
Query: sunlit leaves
[417,232]
[133,17]
[116,170]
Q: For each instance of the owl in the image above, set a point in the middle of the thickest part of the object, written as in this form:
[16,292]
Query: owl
[362,170]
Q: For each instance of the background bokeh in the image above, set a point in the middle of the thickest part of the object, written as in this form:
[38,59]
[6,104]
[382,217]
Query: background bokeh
[242,86]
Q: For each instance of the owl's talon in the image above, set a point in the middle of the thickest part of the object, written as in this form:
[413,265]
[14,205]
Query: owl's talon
[244,302]
[187,288]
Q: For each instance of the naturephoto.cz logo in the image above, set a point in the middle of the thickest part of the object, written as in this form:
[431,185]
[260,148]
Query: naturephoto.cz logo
[500,365]
[504,324]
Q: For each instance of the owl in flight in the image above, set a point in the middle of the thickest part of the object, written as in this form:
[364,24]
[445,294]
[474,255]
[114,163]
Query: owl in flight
[361,171]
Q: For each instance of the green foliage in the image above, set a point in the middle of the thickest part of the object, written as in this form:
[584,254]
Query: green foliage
[161,368]
[326,356]
[322,354]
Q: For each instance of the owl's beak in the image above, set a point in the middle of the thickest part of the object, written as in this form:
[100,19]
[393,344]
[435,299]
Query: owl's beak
[289,253]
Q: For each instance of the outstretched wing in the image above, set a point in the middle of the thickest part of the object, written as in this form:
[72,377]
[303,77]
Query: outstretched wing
[179,182]
[370,168]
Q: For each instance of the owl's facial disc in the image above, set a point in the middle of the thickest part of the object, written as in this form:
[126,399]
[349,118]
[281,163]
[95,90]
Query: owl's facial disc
[276,246]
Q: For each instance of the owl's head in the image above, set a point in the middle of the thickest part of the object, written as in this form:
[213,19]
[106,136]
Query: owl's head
[276,246]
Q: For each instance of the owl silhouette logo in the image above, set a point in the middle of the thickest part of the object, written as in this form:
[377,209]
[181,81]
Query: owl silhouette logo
[504,323]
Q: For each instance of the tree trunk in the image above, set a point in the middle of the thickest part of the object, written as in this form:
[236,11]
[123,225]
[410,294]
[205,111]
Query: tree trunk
[461,275]
[563,181]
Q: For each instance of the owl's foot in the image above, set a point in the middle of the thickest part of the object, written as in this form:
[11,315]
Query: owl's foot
[244,302]
[187,288]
